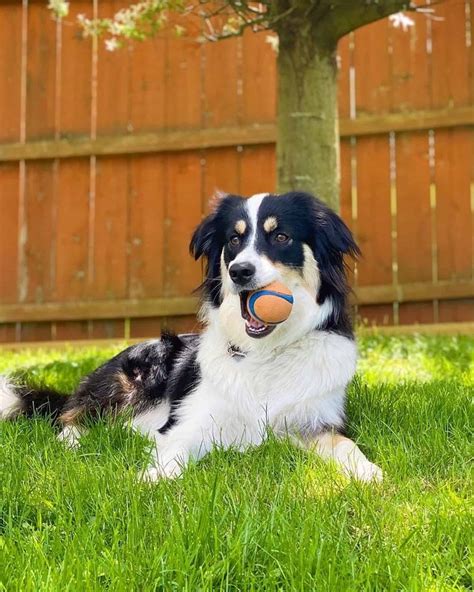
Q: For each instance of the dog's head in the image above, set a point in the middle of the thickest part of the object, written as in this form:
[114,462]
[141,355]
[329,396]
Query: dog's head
[292,238]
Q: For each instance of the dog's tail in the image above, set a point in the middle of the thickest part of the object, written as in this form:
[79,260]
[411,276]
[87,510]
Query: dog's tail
[18,400]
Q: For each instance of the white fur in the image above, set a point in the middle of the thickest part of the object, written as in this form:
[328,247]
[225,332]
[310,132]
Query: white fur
[152,419]
[293,388]
[10,403]
[348,456]
[71,435]
[292,381]
[265,272]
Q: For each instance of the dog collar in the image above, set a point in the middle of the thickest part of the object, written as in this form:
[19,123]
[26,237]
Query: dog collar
[235,352]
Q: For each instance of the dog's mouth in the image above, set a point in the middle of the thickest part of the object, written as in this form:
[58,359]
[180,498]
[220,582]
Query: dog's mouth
[253,328]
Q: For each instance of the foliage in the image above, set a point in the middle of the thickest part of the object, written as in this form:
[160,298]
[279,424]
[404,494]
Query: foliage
[221,19]
[270,519]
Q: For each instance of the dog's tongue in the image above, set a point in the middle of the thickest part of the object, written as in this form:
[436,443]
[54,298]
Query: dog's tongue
[255,324]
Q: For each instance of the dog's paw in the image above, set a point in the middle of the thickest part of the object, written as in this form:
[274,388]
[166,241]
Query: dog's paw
[171,470]
[366,472]
[151,475]
[70,435]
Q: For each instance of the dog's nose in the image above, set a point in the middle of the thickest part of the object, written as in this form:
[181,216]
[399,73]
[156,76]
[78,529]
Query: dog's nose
[242,273]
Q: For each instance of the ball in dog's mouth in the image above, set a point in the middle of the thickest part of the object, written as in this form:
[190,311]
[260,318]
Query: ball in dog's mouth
[253,328]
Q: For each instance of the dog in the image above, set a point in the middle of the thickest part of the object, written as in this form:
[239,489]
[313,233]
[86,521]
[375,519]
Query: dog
[240,378]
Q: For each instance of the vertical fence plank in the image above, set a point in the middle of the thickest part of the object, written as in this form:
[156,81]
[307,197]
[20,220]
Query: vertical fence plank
[454,157]
[374,220]
[36,282]
[344,109]
[37,275]
[221,173]
[221,83]
[10,71]
[222,89]
[346,145]
[76,71]
[451,56]
[73,175]
[415,241]
[147,190]
[258,78]
[183,213]
[257,170]
[414,238]
[72,241]
[410,65]
[146,211]
[183,73]
[9,192]
[183,174]
[113,81]
[454,176]
[147,91]
[110,238]
[374,223]
[110,260]
[257,163]
[41,73]
[10,108]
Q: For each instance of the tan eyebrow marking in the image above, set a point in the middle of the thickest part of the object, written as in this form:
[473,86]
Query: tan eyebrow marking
[270,224]
[240,226]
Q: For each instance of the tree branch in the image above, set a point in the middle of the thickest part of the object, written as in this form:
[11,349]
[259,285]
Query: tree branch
[346,17]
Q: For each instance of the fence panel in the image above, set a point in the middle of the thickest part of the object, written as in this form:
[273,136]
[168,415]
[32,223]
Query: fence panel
[109,161]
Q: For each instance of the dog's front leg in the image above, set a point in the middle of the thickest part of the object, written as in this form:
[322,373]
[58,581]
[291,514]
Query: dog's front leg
[345,453]
[166,464]
[173,451]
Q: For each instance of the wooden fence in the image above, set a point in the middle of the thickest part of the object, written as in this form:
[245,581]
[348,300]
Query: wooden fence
[107,161]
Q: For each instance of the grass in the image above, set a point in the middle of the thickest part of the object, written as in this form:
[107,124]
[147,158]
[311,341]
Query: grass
[270,519]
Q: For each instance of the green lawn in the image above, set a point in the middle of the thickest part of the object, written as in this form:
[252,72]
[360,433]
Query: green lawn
[270,519]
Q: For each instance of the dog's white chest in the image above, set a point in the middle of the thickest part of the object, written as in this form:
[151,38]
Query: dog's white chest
[300,386]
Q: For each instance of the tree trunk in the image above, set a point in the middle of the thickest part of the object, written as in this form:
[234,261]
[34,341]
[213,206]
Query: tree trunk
[308,138]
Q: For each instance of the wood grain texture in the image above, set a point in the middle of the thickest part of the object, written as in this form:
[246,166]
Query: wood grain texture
[242,135]
[451,56]
[176,120]
[182,214]
[257,170]
[72,241]
[147,89]
[41,73]
[221,83]
[258,79]
[10,71]
[371,61]
[111,229]
[9,209]
[75,107]
[113,81]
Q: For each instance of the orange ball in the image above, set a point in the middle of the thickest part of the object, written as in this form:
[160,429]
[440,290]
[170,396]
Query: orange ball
[270,305]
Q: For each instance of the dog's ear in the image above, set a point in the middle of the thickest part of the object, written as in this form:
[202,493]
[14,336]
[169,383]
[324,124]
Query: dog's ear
[203,237]
[205,234]
[331,240]
[338,237]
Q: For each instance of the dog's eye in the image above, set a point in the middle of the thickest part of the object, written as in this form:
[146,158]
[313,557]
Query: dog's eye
[234,240]
[281,237]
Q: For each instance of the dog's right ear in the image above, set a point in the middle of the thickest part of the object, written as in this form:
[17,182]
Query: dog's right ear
[203,237]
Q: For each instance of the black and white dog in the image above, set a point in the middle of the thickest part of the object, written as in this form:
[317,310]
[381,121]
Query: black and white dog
[240,377]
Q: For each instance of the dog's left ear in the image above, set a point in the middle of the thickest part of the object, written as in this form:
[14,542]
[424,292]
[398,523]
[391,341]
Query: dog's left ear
[203,237]
[338,237]
[332,240]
